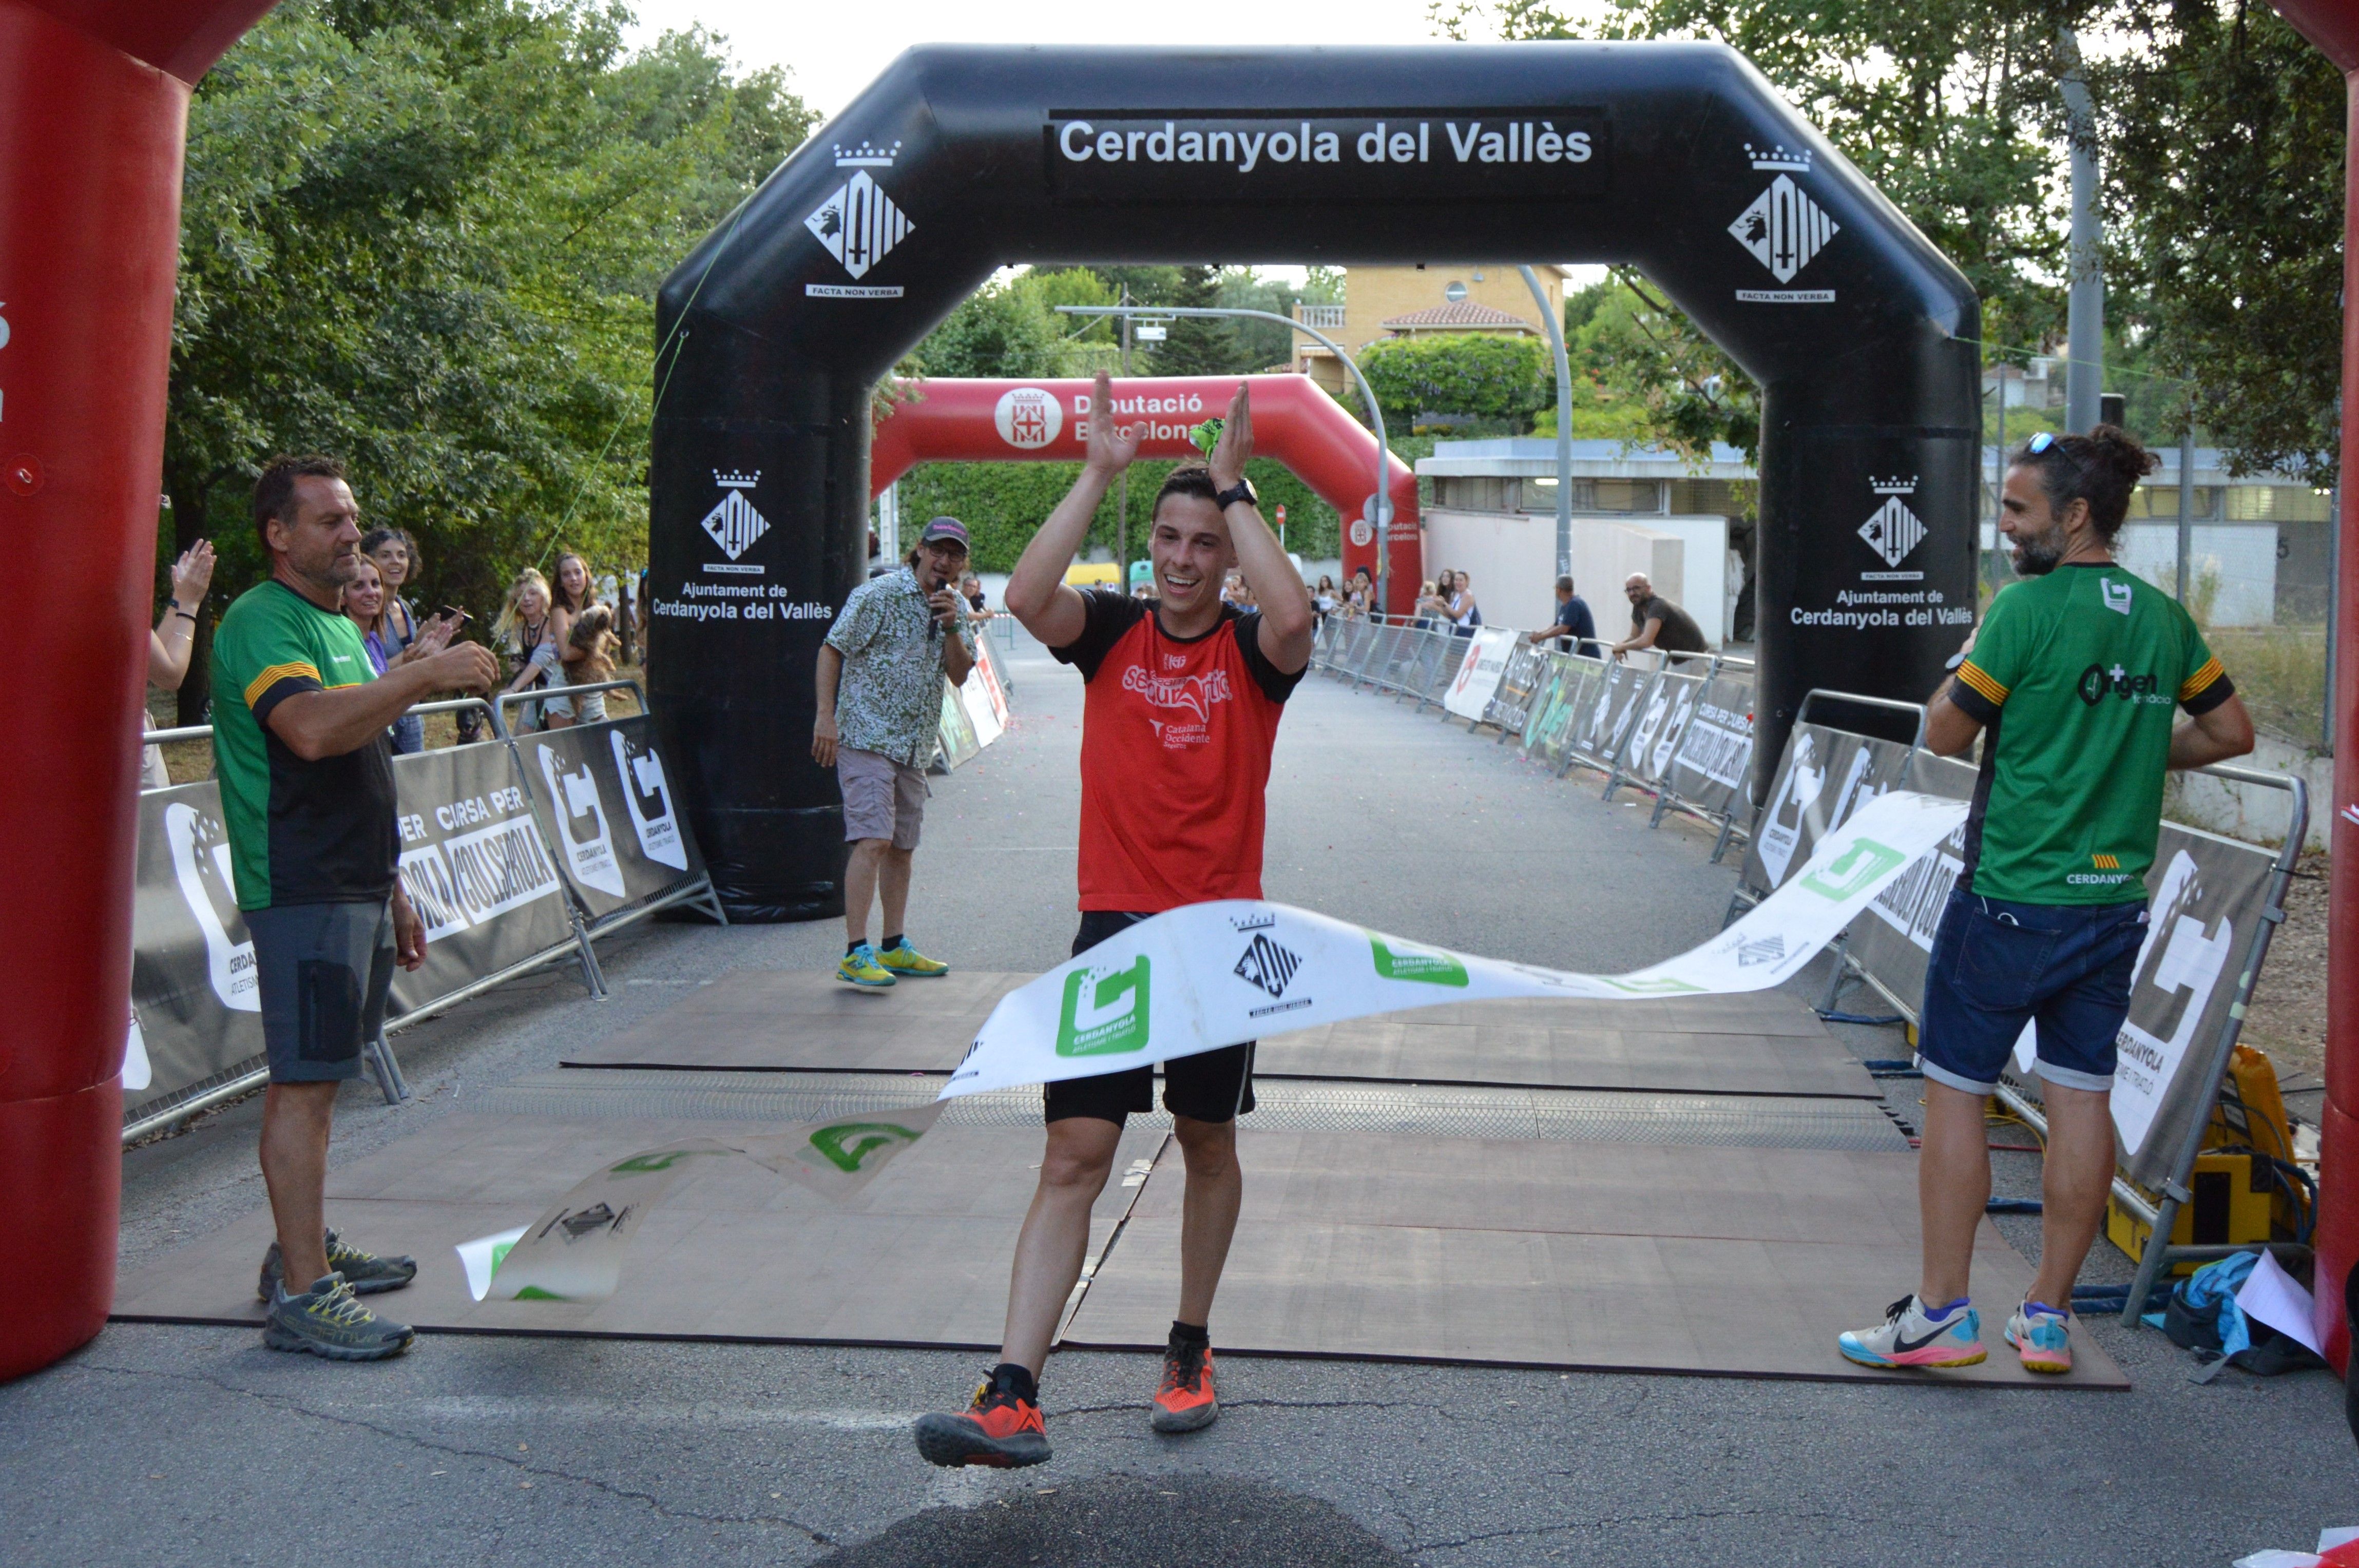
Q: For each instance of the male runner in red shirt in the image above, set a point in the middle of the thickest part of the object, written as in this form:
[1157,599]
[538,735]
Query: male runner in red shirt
[1184,694]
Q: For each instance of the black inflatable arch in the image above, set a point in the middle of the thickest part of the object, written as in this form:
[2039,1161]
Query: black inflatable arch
[1677,157]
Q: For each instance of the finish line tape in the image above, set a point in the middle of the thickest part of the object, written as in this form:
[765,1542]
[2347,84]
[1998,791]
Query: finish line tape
[1200,978]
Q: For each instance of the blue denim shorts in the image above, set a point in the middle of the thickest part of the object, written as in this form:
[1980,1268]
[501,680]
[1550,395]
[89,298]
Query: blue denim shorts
[1999,965]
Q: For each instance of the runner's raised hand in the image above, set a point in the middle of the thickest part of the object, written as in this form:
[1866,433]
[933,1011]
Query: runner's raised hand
[1234,448]
[1111,451]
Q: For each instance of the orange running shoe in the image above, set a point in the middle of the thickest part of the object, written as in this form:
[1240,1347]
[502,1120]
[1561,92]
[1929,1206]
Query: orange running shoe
[1002,1428]
[1186,1402]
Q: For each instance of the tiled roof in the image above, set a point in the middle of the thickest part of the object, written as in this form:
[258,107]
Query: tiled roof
[1465,313]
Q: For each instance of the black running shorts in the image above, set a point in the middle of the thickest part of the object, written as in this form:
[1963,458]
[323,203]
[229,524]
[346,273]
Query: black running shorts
[1213,1086]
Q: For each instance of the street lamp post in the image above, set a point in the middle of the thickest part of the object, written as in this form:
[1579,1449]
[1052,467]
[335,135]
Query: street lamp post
[1563,424]
[1381,503]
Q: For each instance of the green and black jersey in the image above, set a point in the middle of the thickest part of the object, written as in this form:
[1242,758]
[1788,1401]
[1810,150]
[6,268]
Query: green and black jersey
[2077,675]
[299,832]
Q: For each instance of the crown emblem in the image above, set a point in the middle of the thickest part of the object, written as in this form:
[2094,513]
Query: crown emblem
[1895,486]
[1778,157]
[737,481]
[866,155]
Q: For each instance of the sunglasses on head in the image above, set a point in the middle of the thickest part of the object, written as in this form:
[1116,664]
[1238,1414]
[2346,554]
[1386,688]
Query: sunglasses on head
[2040,443]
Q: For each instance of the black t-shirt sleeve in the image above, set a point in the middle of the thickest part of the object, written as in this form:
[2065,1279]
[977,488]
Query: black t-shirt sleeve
[1110,615]
[1276,684]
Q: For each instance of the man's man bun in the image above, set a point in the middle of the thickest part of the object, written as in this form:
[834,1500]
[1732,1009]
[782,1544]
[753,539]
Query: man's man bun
[2102,468]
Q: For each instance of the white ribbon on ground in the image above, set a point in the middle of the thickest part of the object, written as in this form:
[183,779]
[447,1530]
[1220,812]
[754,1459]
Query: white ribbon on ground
[1200,978]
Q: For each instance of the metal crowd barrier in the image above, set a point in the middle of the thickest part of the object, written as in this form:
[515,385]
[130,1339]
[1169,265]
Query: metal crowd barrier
[383,1065]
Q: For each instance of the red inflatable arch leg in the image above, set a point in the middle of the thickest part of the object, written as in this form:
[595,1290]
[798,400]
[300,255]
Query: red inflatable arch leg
[92,102]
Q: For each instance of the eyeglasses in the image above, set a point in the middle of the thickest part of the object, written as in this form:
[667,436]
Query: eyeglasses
[2040,443]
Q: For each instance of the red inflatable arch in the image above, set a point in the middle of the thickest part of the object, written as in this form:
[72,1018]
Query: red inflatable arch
[94,98]
[1046,421]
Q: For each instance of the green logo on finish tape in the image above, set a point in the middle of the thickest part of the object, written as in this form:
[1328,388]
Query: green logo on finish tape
[1853,870]
[647,1164]
[1417,964]
[1105,1012]
[1666,986]
[846,1145]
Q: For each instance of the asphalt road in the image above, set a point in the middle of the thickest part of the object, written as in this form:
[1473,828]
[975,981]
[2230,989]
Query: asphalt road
[163,1446]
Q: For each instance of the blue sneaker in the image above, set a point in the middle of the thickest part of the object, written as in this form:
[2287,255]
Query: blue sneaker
[2042,1337]
[1911,1336]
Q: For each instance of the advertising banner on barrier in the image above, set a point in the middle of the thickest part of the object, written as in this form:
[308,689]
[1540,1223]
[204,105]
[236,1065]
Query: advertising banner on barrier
[984,682]
[608,807]
[1709,771]
[1511,702]
[1605,724]
[2206,894]
[194,999]
[959,743]
[1479,669]
[1662,719]
[1826,775]
[1558,712]
[475,868]
[981,717]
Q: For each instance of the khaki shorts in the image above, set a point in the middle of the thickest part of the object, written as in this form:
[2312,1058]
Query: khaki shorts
[881,798]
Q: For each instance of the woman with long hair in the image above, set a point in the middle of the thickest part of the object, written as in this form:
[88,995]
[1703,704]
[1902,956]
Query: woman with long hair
[524,632]
[365,604]
[569,595]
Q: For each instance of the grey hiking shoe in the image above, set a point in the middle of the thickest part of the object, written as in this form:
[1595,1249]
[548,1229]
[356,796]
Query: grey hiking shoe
[329,1320]
[365,1273]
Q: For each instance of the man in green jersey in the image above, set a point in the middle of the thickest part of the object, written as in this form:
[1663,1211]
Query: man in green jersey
[306,776]
[2074,674]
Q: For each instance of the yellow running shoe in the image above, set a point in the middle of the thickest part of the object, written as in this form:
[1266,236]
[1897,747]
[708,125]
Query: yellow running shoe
[905,960]
[860,968]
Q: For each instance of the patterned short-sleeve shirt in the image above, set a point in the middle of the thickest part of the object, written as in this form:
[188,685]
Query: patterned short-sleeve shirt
[890,701]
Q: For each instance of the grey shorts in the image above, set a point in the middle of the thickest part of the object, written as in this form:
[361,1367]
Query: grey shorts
[324,971]
[881,798]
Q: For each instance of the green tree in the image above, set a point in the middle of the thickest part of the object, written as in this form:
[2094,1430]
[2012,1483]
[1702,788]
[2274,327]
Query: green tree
[1198,345]
[1640,366]
[2223,134]
[425,236]
[1002,329]
[1458,375]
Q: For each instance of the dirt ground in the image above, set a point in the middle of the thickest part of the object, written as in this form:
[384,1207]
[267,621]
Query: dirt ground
[2287,1015]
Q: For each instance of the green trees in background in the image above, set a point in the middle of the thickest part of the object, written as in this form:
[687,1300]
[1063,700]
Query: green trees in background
[425,236]
[2220,137]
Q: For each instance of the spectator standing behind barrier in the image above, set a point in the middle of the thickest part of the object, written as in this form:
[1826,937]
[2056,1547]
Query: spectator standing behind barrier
[364,601]
[1656,623]
[2073,674]
[593,640]
[525,632]
[880,708]
[1573,620]
[1465,615]
[971,590]
[170,644]
[306,791]
[569,597]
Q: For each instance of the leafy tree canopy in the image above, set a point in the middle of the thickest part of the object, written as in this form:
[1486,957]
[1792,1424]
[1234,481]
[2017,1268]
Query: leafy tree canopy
[1458,375]
[425,236]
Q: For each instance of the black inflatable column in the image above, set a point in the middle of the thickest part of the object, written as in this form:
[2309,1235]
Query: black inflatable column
[759,531]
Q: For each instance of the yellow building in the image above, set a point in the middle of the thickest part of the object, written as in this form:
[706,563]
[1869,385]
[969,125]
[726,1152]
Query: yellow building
[1434,297]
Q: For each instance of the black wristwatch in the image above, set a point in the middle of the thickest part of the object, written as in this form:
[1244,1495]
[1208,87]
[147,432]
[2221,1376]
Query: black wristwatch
[1241,491]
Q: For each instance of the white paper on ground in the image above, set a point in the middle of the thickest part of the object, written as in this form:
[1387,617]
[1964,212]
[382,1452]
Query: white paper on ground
[482,1257]
[2271,1296]
[2274,1558]
[1211,975]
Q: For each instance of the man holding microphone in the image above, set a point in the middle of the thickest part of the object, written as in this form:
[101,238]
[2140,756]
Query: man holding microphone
[880,704]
